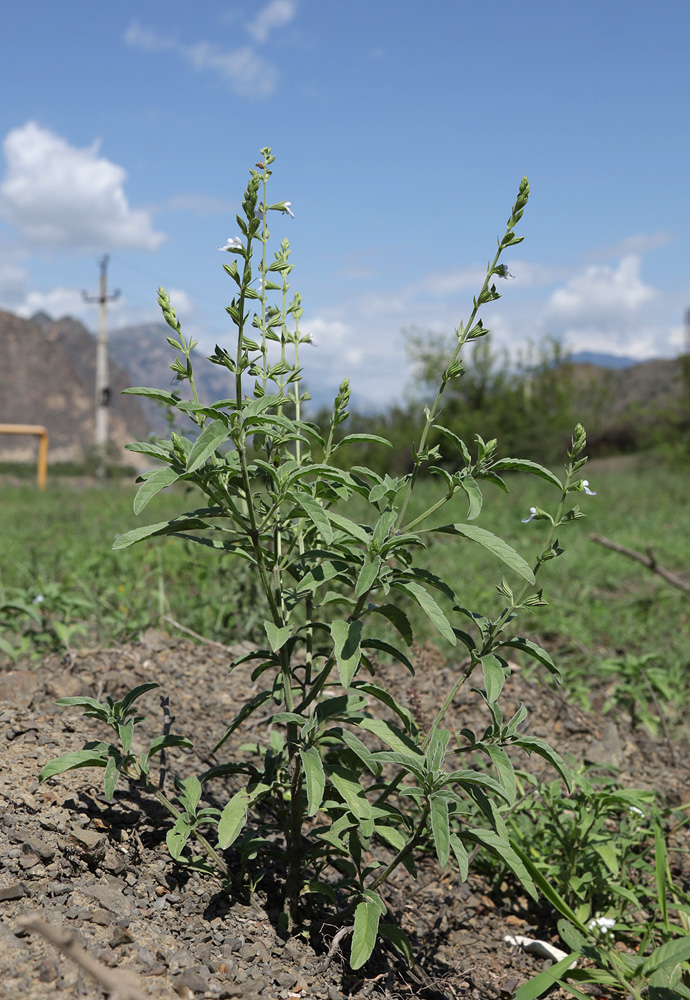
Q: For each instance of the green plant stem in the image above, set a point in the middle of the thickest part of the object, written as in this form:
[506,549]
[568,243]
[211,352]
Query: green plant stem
[433,410]
[449,701]
[144,780]
[405,851]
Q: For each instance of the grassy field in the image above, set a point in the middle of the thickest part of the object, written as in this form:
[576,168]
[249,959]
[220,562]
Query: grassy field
[608,617]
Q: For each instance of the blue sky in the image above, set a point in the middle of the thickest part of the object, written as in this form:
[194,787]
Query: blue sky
[401,130]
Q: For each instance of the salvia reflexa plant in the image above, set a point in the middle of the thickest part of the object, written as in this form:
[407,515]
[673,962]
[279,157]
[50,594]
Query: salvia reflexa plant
[354,786]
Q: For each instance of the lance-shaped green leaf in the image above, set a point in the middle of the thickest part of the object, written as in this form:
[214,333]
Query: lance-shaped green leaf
[547,979]
[498,845]
[277,636]
[110,776]
[360,749]
[440,827]
[367,917]
[393,737]
[349,527]
[376,691]
[532,744]
[346,639]
[185,522]
[399,939]
[349,787]
[524,465]
[233,818]
[150,448]
[316,513]
[429,606]
[210,438]
[494,676]
[177,837]
[461,856]
[535,651]
[506,553]
[71,761]
[160,394]
[372,438]
[504,769]
[367,575]
[393,651]
[154,484]
[474,495]
[397,617]
[314,776]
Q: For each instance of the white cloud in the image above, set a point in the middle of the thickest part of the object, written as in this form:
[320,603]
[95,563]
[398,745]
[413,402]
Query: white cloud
[181,302]
[275,14]
[602,293]
[57,302]
[602,308]
[59,196]
[248,73]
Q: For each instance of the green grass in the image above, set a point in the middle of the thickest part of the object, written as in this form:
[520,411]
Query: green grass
[602,606]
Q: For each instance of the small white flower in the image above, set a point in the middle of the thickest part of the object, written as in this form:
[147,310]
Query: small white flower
[532,515]
[585,488]
[38,599]
[503,272]
[634,809]
[288,209]
[233,243]
[601,924]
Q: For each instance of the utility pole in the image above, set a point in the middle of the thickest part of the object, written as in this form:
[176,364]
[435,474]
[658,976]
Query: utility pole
[102,380]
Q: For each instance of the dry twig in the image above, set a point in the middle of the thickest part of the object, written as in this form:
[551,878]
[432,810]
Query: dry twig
[117,984]
[648,560]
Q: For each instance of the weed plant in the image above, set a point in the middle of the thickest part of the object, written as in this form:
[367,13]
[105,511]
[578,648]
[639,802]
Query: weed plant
[354,794]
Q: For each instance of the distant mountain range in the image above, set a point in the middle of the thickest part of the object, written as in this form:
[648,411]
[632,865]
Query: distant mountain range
[48,376]
[603,360]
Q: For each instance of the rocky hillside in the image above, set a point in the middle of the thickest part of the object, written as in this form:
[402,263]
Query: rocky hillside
[144,351]
[48,377]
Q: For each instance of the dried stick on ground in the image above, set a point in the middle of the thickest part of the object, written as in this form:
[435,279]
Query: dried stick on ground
[117,984]
[648,560]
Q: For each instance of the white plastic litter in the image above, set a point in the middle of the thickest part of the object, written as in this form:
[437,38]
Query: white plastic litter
[541,948]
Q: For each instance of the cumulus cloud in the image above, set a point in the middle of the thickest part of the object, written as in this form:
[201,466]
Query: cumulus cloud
[603,308]
[59,196]
[602,293]
[244,69]
[275,14]
[57,302]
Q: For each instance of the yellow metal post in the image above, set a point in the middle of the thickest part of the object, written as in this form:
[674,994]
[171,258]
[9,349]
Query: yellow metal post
[42,434]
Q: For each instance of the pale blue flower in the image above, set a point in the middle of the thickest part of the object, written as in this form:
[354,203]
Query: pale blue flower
[233,243]
[503,272]
[585,488]
[287,208]
[532,515]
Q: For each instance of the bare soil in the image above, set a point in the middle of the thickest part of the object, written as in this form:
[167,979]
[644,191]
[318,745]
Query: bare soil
[99,871]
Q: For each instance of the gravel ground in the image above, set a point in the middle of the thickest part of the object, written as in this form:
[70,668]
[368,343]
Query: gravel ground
[99,875]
